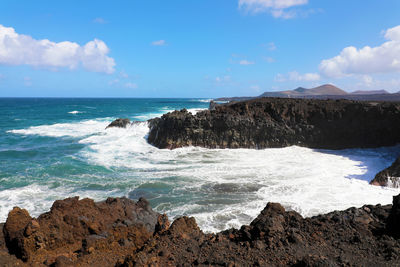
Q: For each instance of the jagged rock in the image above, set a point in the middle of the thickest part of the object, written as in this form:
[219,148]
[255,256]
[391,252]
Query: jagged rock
[389,176]
[77,229]
[121,123]
[354,237]
[121,232]
[275,122]
[212,105]
[393,225]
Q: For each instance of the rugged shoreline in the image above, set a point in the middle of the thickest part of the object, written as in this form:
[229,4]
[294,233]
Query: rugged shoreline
[279,122]
[122,232]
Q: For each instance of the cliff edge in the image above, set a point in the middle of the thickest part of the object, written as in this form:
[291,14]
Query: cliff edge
[279,122]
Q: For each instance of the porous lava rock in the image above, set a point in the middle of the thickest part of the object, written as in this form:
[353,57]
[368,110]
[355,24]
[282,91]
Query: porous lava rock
[280,122]
[81,232]
[121,232]
[389,176]
[120,123]
[354,237]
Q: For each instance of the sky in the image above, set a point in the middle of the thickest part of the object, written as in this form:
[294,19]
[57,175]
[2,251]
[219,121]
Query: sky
[204,48]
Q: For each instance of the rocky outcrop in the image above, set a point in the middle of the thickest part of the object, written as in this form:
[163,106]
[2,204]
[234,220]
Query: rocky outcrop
[120,123]
[354,237]
[81,232]
[124,233]
[389,176]
[277,122]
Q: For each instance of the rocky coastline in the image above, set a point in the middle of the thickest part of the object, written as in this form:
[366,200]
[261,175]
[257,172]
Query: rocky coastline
[122,232]
[280,122]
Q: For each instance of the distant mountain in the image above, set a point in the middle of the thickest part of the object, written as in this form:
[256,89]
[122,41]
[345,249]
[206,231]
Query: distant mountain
[326,89]
[374,92]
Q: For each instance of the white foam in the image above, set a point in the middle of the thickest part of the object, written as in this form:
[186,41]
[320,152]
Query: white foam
[38,198]
[306,180]
[203,100]
[74,129]
[221,188]
[75,112]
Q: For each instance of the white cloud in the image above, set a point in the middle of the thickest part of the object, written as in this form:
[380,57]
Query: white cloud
[159,43]
[19,49]
[295,76]
[246,62]
[367,60]
[367,82]
[99,21]
[278,8]
[131,85]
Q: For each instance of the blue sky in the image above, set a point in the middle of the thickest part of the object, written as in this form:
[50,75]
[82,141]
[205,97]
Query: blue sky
[204,48]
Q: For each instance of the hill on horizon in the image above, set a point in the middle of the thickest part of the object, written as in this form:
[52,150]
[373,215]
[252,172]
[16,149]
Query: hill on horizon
[326,89]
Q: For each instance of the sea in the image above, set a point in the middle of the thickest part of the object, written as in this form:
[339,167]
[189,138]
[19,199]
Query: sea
[54,148]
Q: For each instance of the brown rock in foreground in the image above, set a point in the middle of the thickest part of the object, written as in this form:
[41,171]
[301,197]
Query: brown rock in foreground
[81,232]
[121,232]
[279,122]
[389,176]
[354,237]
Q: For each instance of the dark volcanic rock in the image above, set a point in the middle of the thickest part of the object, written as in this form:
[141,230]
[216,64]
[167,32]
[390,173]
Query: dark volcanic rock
[81,231]
[121,232]
[393,225]
[121,123]
[277,122]
[354,237]
[389,177]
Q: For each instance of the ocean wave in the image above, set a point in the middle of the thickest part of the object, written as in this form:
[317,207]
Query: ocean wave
[204,100]
[74,129]
[75,112]
[213,183]
[210,184]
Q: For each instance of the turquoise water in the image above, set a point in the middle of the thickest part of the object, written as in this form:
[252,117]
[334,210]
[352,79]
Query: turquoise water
[56,148]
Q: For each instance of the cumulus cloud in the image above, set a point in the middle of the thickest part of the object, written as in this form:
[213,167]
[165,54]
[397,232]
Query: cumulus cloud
[295,76]
[246,62]
[278,8]
[159,43]
[367,60]
[20,49]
